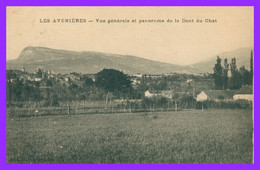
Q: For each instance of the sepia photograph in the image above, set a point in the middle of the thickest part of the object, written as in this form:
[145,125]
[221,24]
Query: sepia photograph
[130,85]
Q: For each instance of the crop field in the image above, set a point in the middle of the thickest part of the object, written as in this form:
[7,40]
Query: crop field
[195,136]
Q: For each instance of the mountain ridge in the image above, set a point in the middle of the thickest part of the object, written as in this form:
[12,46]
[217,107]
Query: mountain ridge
[242,56]
[66,61]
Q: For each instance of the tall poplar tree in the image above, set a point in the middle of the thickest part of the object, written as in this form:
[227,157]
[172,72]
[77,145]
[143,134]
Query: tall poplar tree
[236,79]
[251,68]
[218,73]
[225,74]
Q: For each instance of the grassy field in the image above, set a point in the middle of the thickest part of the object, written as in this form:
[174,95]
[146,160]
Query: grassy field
[209,136]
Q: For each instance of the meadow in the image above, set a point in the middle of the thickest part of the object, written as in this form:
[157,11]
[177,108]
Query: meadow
[193,136]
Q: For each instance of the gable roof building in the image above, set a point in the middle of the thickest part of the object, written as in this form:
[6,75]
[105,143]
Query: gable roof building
[215,95]
[245,93]
[163,93]
[149,93]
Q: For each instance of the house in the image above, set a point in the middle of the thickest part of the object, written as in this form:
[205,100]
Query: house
[138,75]
[37,79]
[92,76]
[135,82]
[245,93]
[74,77]
[30,78]
[67,79]
[163,93]
[149,94]
[215,95]
[189,81]
[154,76]
[11,80]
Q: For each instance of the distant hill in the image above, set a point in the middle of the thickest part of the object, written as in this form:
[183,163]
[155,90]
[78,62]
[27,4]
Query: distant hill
[63,61]
[242,56]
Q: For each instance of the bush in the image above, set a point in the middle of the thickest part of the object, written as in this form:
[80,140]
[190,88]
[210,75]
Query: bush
[237,104]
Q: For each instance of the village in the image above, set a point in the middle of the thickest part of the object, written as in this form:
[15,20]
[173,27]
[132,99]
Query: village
[147,92]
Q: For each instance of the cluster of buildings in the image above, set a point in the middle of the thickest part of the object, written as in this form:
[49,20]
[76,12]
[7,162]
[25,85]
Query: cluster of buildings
[245,93]
[47,74]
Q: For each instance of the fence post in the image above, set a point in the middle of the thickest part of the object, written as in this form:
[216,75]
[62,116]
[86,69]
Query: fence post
[106,102]
[77,105]
[28,110]
[68,108]
[84,105]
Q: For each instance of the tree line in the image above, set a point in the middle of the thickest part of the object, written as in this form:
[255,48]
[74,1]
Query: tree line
[239,77]
[51,91]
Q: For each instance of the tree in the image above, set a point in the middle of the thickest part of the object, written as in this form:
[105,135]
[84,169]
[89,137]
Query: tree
[175,98]
[236,79]
[26,92]
[225,74]
[187,101]
[114,81]
[162,85]
[245,75]
[39,73]
[163,102]
[48,83]
[251,68]
[218,74]
[10,74]
[87,81]
[14,90]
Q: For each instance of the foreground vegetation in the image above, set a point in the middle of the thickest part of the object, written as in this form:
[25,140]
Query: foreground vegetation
[209,136]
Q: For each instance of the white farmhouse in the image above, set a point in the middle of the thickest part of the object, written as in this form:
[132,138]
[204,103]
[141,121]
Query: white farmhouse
[202,96]
[37,79]
[163,93]
[148,94]
[245,93]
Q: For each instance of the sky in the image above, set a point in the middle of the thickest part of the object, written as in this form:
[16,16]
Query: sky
[170,42]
